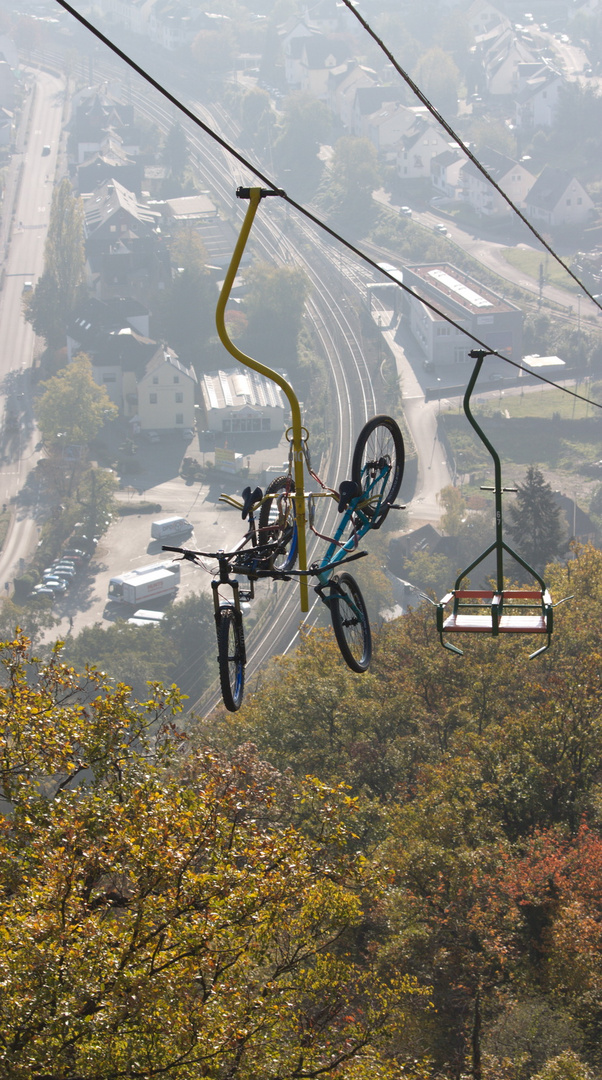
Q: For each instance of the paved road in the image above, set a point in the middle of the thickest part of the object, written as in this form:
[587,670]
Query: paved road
[25,222]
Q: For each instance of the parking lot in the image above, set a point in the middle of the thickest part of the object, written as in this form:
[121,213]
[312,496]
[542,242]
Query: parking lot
[128,544]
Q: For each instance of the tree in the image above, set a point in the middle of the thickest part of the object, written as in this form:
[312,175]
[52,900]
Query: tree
[173,918]
[49,307]
[535,522]
[214,51]
[73,407]
[255,112]
[437,75]
[274,306]
[352,177]
[185,311]
[305,125]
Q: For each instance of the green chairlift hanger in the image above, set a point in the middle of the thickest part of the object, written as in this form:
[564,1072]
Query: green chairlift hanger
[255,195]
[500,610]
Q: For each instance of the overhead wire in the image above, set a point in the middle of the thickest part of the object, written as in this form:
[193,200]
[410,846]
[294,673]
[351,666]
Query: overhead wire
[178,104]
[350,5]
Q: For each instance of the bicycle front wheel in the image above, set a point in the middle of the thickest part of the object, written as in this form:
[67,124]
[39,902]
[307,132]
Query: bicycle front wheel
[350,622]
[231,657]
[277,522]
[377,466]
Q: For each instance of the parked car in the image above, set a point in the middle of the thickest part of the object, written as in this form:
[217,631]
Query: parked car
[41,591]
[406,211]
[45,150]
[56,584]
[440,228]
[64,569]
[187,434]
[52,572]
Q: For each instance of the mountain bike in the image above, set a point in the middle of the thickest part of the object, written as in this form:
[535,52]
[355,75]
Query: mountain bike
[269,550]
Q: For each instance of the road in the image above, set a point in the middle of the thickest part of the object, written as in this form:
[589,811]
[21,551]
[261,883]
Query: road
[25,223]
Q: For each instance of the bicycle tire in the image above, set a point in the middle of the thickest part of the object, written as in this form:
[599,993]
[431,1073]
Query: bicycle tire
[284,529]
[350,622]
[231,657]
[380,443]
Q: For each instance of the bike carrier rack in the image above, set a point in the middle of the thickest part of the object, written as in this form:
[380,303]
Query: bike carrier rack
[255,195]
[499,610]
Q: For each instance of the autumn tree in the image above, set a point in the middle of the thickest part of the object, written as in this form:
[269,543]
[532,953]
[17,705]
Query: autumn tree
[73,407]
[173,916]
[50,305]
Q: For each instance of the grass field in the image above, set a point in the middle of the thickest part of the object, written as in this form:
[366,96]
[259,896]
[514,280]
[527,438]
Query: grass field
[545,403]
[528,262]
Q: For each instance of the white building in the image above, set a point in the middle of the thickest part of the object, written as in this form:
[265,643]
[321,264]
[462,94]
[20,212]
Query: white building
[241,401]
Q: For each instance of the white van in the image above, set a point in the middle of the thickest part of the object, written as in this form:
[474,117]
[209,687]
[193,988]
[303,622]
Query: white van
[171,526]
[146,617]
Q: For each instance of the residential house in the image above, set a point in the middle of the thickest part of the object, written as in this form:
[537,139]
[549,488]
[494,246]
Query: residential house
[537,100]
[173,24]
[165,393]
[343,83]
[292,34]
[386,127]
[470,304]
[124,251]
[242,401]
[96,112]
[368,101]
[483,18]
[512,176]
[446,170]
[114,335]
[131,14]
[558,199]
[418,145]
[109,162]
[318,56]
[501,60]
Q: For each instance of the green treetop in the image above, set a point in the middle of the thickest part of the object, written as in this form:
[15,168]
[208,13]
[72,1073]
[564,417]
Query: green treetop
[73,406]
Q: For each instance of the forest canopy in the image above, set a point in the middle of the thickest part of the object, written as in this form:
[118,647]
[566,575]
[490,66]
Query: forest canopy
[396,874]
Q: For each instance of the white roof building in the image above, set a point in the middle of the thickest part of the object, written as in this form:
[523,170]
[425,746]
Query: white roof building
[242,400]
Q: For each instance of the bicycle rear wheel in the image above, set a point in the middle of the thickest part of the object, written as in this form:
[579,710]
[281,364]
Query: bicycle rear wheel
[350,622]
[277,522]
[377,466]
[231,657]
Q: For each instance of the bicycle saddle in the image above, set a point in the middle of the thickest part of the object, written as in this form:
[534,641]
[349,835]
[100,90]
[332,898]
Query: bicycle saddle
[249,498]
[348,490]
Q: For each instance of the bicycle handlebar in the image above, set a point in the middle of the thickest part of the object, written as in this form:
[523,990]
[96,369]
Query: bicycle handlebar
[262,553]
